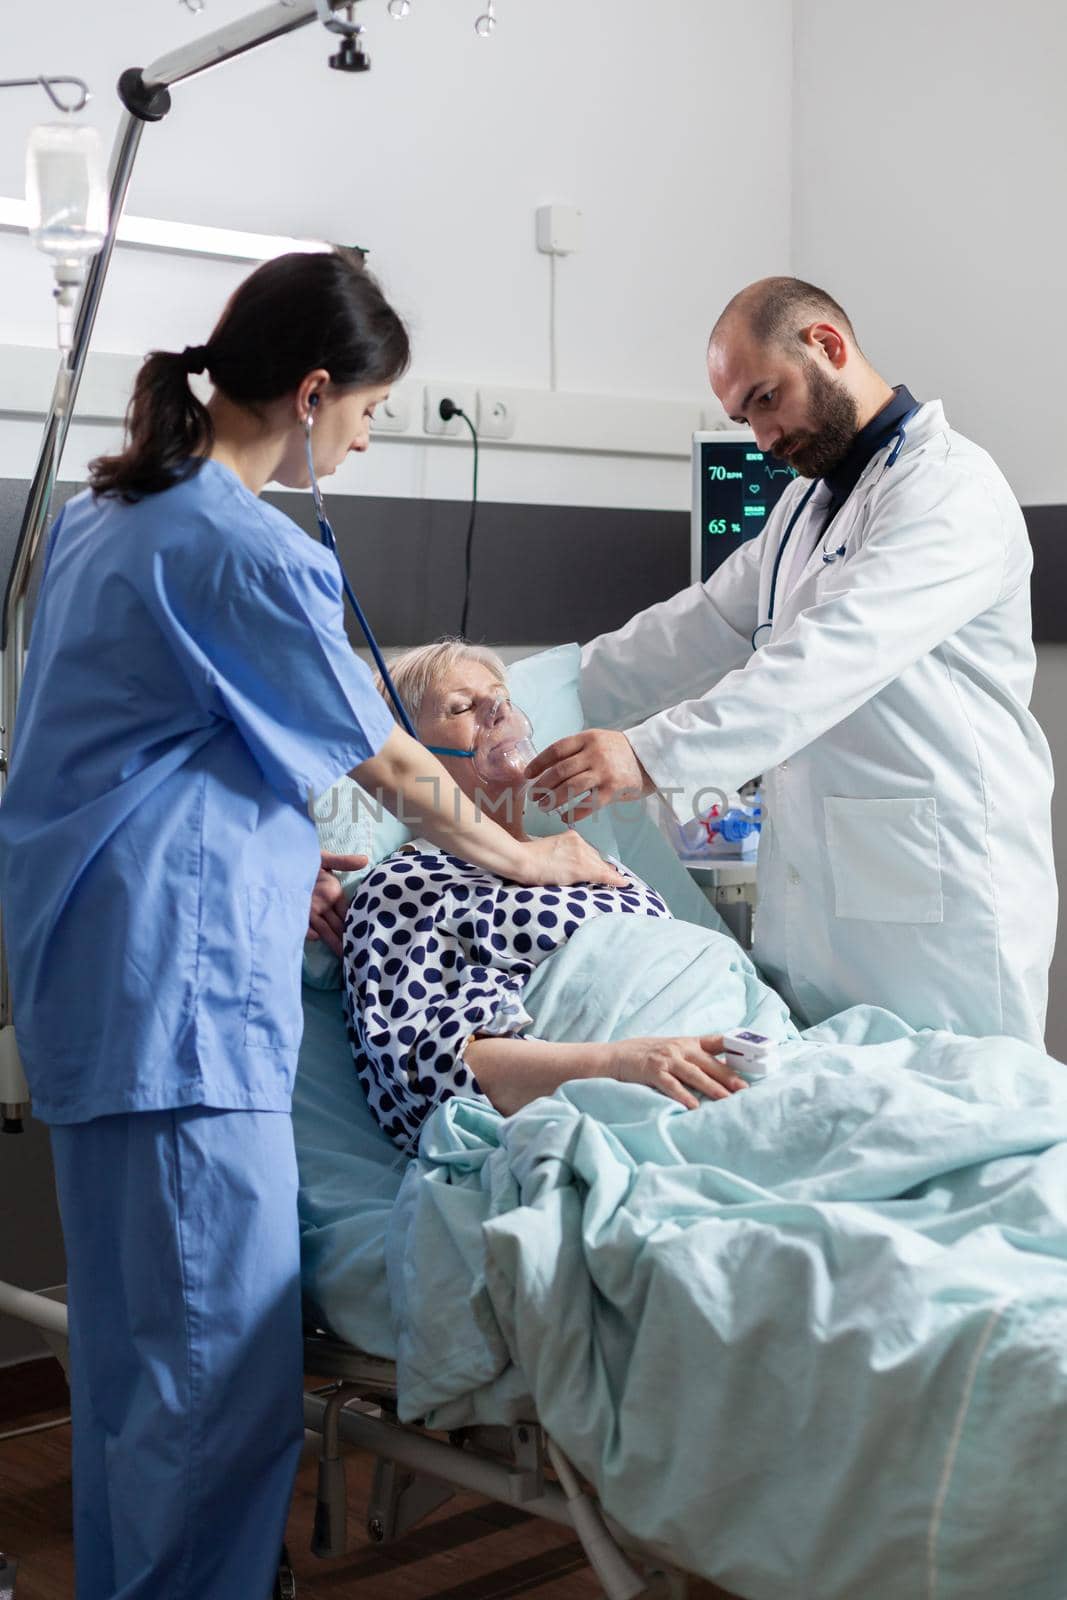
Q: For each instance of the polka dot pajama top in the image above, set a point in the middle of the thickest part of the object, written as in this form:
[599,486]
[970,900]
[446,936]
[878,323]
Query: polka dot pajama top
[437,951]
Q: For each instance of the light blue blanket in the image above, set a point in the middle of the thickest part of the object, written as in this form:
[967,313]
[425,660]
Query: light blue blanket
[813,1338]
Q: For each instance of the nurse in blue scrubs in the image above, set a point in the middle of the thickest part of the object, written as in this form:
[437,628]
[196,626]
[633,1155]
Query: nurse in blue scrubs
[189,687]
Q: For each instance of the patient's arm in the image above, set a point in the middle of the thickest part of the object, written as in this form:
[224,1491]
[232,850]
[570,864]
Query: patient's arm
[512,1072]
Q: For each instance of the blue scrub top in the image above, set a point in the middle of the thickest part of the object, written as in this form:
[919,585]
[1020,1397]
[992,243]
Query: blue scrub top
[189,686]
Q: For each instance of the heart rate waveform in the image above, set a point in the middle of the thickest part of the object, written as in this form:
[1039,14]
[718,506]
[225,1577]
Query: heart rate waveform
[737,488]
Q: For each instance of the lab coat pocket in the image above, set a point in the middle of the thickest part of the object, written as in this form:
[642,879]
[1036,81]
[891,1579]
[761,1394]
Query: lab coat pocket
[885,856]
[277,922]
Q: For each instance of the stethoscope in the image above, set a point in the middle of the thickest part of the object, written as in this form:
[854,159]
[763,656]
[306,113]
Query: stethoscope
[326,534]
[329,539]
[829,556]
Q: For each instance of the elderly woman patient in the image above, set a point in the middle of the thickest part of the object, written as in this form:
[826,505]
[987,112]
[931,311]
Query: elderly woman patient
[437,952]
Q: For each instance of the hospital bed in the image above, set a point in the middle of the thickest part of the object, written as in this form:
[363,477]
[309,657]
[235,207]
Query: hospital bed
[416,1472]
[885,1237]
[839,1321]
[360,1407]
[350,1175]
[353,1402]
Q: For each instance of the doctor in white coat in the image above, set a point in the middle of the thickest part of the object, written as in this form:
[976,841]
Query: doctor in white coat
[870,654]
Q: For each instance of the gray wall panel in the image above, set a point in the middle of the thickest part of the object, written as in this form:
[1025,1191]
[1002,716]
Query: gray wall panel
[550,573]
[545,573]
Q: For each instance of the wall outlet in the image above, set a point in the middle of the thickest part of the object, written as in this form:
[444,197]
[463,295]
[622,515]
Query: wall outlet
[392,415]
[464,397]
[496,414]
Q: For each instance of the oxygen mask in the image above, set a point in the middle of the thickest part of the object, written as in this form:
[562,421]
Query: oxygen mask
[503,744]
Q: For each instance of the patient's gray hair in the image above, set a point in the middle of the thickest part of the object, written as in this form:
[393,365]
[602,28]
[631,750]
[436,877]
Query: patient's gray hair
[414,671]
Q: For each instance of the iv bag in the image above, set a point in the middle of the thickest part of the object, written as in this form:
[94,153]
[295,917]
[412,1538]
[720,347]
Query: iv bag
[66,195]
[66,191]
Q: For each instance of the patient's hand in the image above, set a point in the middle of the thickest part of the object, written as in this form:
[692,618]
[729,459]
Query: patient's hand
[680,1068]
[598,762]
[328,903]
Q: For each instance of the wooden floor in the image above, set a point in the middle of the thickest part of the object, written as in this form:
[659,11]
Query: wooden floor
[471,1549]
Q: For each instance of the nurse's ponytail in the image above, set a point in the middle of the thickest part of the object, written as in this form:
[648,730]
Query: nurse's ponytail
[168,430]
[293,314]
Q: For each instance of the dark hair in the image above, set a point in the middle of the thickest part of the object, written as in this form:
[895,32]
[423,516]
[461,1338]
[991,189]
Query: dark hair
[293,314]
[777,310]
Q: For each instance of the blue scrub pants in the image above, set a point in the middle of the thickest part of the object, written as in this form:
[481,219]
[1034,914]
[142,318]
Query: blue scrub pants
[185,1347]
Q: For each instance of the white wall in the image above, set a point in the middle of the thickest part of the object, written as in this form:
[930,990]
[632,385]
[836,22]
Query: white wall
[437,160]
[929,153]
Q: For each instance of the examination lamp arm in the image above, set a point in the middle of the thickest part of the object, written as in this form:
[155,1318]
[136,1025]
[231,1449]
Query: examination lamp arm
[273,22]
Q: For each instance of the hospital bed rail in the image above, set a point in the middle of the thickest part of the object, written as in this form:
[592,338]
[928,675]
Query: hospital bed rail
[416,1473]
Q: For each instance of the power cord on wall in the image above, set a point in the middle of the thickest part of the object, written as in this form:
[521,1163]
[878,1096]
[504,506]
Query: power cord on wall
[449,409]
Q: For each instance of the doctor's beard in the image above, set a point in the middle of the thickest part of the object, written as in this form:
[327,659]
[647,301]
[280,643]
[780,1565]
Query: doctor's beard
[817,450]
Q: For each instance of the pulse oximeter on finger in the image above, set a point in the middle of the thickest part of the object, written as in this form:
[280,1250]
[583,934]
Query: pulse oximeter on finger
[751,1054]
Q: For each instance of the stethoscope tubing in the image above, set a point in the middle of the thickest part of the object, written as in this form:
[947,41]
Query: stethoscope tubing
[328,538]
[782,543]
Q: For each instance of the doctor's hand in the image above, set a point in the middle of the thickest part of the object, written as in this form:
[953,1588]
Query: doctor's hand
[329,904]
[597,764]
[678,1068]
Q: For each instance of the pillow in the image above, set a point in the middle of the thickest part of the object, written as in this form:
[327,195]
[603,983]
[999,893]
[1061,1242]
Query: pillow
[546,686]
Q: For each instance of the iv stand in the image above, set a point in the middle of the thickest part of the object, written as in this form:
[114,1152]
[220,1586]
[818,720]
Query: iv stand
[146,98]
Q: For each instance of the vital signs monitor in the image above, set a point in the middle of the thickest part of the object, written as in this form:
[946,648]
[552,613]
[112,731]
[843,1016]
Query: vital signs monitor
[735,488]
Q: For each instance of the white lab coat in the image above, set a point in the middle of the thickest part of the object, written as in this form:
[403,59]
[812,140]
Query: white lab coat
[907,857]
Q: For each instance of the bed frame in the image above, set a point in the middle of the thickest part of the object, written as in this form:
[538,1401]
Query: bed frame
[417,1471]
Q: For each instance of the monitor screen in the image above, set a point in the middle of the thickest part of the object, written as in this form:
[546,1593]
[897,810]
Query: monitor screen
[735,488]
